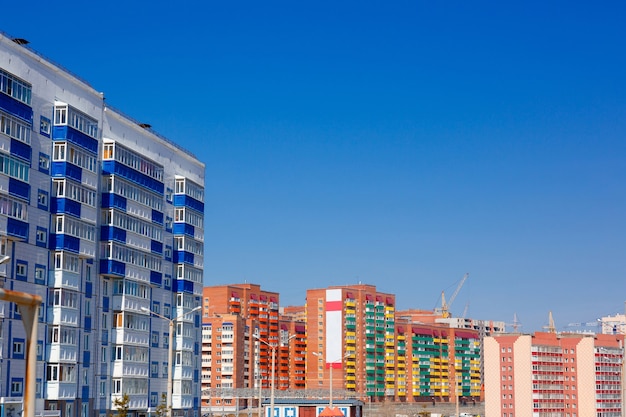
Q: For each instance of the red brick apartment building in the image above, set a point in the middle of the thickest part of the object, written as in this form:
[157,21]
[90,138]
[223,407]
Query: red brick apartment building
[554,374]
[241,333]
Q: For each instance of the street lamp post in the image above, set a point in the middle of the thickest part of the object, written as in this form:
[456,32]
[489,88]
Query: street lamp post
[170,352]
[330,376]
[273,371]
[272,377]
[29,304]
[260,382]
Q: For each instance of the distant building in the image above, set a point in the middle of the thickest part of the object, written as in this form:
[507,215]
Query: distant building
[351,329]
[554,374]
[437,358]
[242,332]
[613,324]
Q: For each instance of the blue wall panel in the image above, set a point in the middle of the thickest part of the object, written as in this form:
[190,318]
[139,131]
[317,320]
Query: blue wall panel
[183,229]
[65,206]
[110,200]
[183,257]
[182,200]
[21,150]
[76,137]
[111,267]
[156,247]
[19,189]
[156,278]
[184,286]
[157,217]
[17,228]
[113,167]
[16,108]
[112,233]
[65,169]
[64,242]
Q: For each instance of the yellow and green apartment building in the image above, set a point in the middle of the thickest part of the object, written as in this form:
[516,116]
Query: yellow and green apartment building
[353,330]
[431,357]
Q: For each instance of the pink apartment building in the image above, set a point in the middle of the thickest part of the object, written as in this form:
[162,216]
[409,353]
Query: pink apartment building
[554,374]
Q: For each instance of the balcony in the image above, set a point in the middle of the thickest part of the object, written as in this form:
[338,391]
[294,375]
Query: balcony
[61,390]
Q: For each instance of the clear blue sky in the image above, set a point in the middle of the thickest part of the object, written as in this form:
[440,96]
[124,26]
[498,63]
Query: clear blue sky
[400,144]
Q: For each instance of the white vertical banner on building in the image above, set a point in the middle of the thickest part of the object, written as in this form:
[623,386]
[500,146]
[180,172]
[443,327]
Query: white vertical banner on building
[334,337]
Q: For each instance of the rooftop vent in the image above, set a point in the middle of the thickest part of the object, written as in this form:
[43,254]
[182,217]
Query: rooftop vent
[145,125]
[21,41]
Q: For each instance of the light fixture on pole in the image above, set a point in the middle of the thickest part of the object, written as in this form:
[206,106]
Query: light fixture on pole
[272,390]
[330,376]
[273,370]
[170,352]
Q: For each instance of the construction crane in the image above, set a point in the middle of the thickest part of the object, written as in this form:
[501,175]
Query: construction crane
[516,323]
[551,328]
[445,306]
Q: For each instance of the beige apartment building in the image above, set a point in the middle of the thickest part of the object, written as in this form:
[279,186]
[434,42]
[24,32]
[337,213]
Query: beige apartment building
[554,374]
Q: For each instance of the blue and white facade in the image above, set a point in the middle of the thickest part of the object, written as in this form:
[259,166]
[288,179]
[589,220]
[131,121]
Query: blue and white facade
[102,218]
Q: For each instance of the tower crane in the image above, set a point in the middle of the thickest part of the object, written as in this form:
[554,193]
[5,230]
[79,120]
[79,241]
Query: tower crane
[551,328]
[516,323]
[445,306]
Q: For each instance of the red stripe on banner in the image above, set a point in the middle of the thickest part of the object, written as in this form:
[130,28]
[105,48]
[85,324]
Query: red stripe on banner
[335,365]
[333,305]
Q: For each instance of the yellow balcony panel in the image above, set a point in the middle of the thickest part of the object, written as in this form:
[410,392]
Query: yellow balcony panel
[351,378]
[350,304]
[348,385]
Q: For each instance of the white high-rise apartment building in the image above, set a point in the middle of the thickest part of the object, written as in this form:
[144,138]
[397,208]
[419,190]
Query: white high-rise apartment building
[102,218]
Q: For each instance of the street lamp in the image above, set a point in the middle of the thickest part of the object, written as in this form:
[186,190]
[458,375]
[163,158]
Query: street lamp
[28,304]
[272,377]
[273,371]
[170,352]
[330,389]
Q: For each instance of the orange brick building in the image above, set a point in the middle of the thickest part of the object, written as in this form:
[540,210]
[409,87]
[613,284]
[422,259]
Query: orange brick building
[241,324]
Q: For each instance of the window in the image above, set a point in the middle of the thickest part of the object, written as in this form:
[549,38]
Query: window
[40,274]
[67,115]
[180,186]
[21,269]
[44,163]
[18,348]
[117,386]
[41,236]
[44,126]
[17,386]
[14,127]
[42,199]
[11,207]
